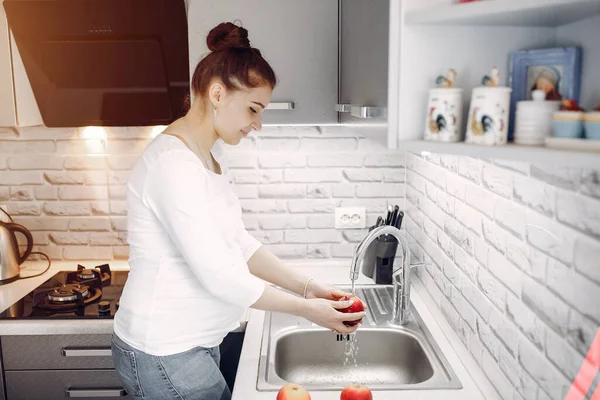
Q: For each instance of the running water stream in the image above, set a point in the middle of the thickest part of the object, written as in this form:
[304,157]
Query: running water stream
[351,351]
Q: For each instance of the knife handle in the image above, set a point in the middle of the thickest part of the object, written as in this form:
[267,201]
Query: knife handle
[395,215]
[399,219]
[388,219]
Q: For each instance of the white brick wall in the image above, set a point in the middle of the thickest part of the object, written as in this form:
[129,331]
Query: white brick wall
[70,191]
[514,247]
[521,278]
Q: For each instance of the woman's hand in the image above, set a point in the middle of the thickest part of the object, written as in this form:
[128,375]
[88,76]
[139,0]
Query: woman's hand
[318,290]
[325,313]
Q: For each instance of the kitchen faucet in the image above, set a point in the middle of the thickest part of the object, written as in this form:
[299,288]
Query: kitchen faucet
[400,276]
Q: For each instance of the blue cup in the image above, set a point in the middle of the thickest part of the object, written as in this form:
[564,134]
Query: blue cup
[567,124]
[592,125]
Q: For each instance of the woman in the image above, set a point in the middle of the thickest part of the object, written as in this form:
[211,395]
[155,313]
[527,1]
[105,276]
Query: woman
[194,268]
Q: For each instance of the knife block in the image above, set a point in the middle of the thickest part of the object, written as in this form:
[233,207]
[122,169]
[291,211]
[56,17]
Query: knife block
[378,261]
[385,253]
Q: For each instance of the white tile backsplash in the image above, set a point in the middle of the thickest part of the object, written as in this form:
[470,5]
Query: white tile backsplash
[71,191]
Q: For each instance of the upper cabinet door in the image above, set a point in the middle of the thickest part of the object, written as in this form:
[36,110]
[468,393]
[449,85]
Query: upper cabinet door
[298,38]
[364,42]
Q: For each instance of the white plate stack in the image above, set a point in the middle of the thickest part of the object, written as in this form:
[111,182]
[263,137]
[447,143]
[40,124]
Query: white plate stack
[533,121]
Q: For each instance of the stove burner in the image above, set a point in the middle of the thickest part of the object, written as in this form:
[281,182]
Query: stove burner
[72,291]
[66,298]
[89,292]
[96,277]
[86,274]
[68,293]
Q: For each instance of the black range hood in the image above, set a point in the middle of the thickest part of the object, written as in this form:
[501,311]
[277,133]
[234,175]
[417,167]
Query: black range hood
[104,62]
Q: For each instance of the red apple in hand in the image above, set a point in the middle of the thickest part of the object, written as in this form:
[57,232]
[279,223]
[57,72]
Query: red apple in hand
[357,306]
[293,391]
[356,392]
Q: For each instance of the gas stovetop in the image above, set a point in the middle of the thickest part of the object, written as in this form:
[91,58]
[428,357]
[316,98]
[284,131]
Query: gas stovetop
[88,293]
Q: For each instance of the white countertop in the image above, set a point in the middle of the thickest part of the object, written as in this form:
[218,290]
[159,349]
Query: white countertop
[475,385]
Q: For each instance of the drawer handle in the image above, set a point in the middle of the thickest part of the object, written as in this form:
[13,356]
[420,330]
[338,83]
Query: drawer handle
[281,106]
[345,108]
[81,393]
[86,352]
[363,112]
[367,111]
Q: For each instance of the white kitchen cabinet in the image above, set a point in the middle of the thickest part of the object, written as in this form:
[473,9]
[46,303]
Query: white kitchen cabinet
[17,102]
[298,38]
[370,65]
[472,38]
[364,40]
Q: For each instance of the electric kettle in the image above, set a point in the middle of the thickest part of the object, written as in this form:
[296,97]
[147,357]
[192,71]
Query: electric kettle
[10,257]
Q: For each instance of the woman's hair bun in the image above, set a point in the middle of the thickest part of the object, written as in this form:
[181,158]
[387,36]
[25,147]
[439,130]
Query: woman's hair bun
[227,35]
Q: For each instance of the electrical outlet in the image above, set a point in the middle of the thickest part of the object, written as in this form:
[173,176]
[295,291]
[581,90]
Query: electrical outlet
[350,218]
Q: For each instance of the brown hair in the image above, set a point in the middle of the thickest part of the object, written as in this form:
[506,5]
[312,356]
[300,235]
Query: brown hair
[232,60]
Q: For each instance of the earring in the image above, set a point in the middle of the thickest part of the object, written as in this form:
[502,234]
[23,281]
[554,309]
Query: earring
[215,113]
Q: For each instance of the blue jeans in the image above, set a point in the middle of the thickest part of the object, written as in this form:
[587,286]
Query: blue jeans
[191,375]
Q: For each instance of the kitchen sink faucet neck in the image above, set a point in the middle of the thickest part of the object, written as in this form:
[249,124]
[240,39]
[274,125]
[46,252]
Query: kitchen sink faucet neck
[400,275]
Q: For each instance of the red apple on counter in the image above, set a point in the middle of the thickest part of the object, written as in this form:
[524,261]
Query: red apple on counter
[293,391]
[356,392]
[357,306]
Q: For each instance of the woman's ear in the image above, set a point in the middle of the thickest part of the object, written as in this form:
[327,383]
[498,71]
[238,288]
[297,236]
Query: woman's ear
[216,94]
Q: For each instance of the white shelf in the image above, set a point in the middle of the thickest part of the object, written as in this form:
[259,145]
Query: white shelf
[546,13]
[529,154]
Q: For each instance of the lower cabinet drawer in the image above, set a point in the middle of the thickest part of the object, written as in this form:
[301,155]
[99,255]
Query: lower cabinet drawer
[57,352]
[51,385]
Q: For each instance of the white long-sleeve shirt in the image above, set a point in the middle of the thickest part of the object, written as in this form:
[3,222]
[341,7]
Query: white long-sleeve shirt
[189,283]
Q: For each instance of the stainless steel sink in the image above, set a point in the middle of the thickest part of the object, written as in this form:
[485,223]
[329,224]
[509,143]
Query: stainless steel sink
[310,357]
[380,354]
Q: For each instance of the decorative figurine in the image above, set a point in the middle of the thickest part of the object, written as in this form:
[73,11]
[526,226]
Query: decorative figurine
[446,81]
[570,105]
[493,79]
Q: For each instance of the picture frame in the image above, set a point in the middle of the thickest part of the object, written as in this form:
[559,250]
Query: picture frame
[555,70]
